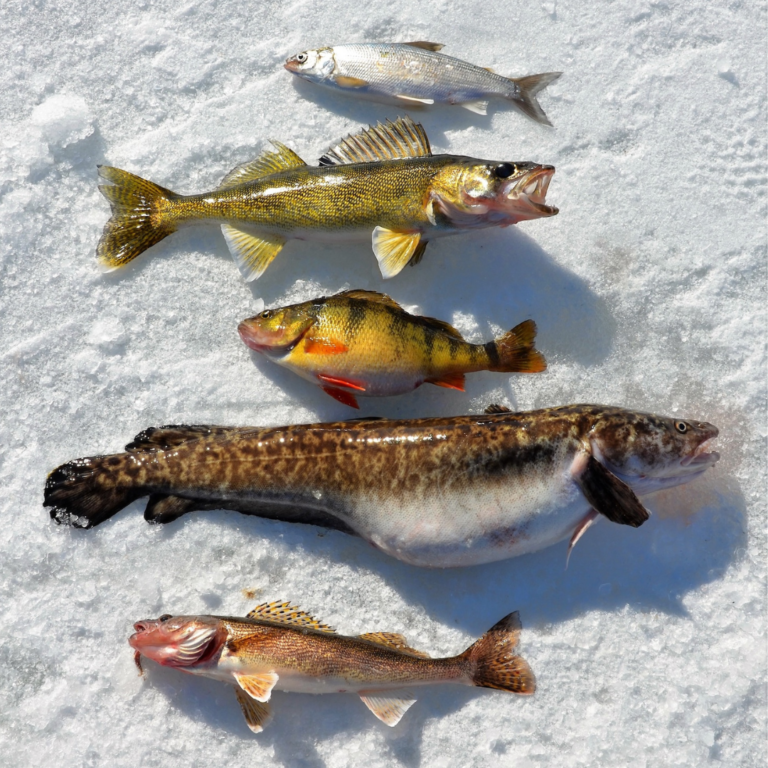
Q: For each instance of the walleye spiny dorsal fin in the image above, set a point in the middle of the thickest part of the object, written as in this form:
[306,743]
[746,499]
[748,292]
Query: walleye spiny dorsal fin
[256,713]
[394,250]
[267,163]
[610,496]
[388,706]
[394,641]
[425,45]
[259,686]
[389,141]
[282,612]
[496,408]
[170,436]
[374,296]
[252,253]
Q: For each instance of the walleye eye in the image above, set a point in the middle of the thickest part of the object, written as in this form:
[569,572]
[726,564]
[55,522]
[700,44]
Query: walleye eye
[301,58]
[681,427]
[504,170]
[165,617]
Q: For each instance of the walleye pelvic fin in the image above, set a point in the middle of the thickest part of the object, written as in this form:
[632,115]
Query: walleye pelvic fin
[414,99]
[425,45]
[256,713]
[324,346]
[388,706]
[389,141]
[345,398]
[138,217]
[479,106]
[580,530]
[258,687]
[610,496]
[267,163]
[514,351]
[394,250]
[166,509]
[394,641]
[492,663]
[449,381]
[344,81]
[252,253]
[525,98]
[282,612]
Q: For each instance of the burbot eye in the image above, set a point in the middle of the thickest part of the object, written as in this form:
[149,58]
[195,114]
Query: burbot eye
[681,427]
[301,58]
[504,170]
[165,617]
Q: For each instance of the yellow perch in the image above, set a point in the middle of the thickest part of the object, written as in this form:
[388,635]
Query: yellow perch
[383,184]
[279,646]
[362,343]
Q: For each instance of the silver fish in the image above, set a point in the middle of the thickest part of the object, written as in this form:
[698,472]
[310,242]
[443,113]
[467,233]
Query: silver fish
[415,73]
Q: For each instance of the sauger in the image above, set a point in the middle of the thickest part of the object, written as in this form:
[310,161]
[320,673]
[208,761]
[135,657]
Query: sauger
[448,491]
[382,184]
[280,646]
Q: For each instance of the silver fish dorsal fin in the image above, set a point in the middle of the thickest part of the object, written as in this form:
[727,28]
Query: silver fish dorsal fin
[282,612]
[374,296]
[267,163]
[388,141]
[394,641]
[425,45]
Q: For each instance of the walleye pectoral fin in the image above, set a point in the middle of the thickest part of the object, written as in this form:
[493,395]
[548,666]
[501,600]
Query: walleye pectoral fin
[393,640]
[267,163]
[344,81]
[388,706]
[394,250]
[256,713]
[282,612]
[610,496]
[580,530]
[258,687]
[425,45]
[324,346]
[479,107]
[345,398]
[338,381]
[414,99]
[449,381]
[252,253]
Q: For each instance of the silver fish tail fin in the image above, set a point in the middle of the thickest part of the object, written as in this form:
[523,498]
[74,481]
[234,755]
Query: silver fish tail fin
[514,352]
[492,663]
[86,492]
[139,217]
[525,97]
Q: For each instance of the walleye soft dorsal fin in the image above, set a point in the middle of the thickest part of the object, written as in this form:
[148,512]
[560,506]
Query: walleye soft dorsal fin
[373,296]
[256,713]
[394,641]
[496,408]
[259,686]
[388,141]
[252,253]
[610,496]
[394,250]
[282,612]
[267,163]
[170,436]
[426,45]
[388,706]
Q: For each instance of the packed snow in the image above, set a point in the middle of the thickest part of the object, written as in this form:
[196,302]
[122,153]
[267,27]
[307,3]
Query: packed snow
[649,290]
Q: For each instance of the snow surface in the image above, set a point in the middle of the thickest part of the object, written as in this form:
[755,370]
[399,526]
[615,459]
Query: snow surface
[649,290]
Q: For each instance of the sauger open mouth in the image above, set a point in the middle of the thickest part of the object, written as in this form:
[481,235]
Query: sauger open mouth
[535,187]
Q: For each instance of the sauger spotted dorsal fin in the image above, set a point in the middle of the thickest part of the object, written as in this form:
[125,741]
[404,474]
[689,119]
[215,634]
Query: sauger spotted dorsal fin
[393,640]
[170,436]
[426,45]
[374,296]
[610,496]
[496,408]
[282,612]
[388,141]
[268,162]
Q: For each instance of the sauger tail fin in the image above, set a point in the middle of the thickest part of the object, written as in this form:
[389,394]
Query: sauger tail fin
[86,492]
[139,217]
[514,352]
[492,663]
[526,100]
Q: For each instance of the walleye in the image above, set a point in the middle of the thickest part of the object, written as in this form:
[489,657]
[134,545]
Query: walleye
[363,343]
[277,645]
[442,492]
[415,73]
[383,184]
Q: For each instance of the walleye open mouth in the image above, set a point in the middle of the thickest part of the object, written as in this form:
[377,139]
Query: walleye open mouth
[533,188]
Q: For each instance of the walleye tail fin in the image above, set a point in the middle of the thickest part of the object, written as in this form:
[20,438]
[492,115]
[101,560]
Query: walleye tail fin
[492,664]
[525,98]
[85,492]
[514,352]
[139,217]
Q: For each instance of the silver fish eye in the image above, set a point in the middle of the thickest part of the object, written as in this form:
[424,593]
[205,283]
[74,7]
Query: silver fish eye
[301,58]
[681,427]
